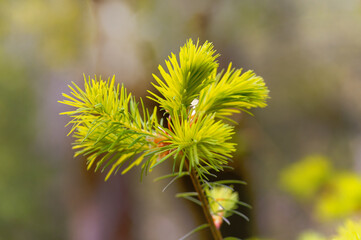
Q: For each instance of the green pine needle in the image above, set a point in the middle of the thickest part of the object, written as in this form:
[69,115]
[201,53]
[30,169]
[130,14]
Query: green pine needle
[201,227]
[203,142]
[108,126]
[114,131]
[231,92]
[186,78]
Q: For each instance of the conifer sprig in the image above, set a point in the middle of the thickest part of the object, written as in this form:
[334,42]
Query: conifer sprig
[112,129]
[186,78]
[204,142]
[108,126]
[231,92]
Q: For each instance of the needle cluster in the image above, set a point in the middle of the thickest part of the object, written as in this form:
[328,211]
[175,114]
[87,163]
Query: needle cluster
[115,131]
[112,128]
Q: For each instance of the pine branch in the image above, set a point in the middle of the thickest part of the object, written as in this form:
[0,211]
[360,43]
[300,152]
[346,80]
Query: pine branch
[115,131]
[186,78]
[231,92]
[203,141]
[108,126]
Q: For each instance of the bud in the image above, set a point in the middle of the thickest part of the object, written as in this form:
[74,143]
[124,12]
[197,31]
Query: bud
[222,200]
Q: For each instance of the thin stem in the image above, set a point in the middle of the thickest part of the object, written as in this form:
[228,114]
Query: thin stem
[205,205]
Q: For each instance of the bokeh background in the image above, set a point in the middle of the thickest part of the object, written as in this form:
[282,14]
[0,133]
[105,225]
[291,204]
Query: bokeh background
[308,52]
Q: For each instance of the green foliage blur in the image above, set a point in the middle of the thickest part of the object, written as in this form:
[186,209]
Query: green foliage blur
[311,235]
[350,231]
[304,178]
[331,193]
[335,194]
[341,198]
[34,35]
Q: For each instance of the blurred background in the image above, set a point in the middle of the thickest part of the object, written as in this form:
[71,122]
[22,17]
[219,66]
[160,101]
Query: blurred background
[301,156]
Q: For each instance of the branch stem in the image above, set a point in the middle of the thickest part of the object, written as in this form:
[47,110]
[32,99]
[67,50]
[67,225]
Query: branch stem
[205,205]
